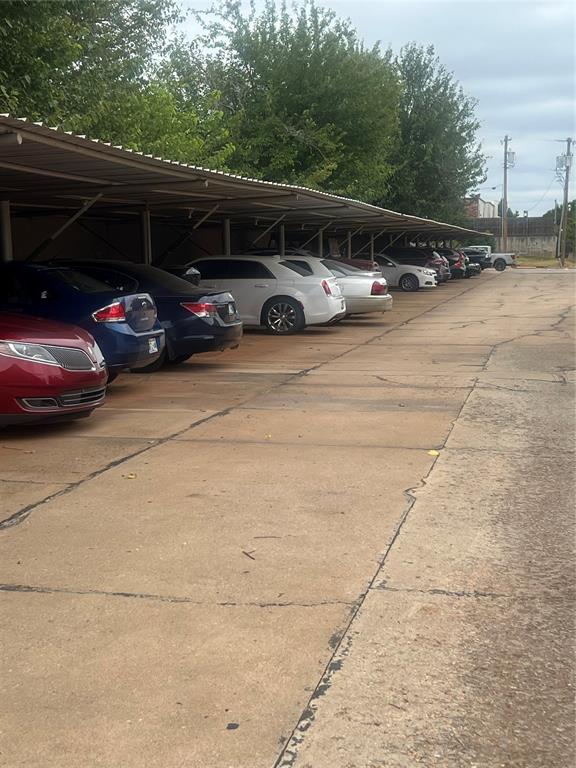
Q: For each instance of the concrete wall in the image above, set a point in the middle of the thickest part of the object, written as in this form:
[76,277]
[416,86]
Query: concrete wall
[539,245]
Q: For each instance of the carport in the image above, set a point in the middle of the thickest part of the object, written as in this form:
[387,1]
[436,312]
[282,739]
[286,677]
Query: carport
[61,191]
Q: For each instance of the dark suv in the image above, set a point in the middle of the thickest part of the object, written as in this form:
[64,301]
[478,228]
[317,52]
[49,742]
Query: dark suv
[421,257]
[456,261]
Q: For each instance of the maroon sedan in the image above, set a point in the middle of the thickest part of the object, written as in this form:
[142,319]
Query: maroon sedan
[49,371]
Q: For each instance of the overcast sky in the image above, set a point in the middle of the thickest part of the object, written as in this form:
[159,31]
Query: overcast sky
[516,57]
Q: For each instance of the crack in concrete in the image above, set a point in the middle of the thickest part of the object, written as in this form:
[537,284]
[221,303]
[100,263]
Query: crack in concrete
[442,592]
[22,514]
[289,752]
[28,589]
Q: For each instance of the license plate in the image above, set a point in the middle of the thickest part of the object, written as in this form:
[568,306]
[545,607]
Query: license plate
[152,346]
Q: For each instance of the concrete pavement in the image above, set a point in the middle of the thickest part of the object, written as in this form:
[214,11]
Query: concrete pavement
[226,566]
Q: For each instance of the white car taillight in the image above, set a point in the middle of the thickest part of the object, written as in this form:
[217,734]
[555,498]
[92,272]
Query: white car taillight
[327,289]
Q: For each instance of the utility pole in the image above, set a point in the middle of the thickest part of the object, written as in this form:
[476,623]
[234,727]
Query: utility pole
[508,163]
[564,216]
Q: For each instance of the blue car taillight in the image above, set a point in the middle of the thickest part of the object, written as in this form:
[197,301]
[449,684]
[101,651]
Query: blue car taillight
[200,308]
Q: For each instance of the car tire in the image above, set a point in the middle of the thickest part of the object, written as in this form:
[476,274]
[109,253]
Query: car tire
[179,359]
[409,282]
[153,367]
[283,316]
[500,265]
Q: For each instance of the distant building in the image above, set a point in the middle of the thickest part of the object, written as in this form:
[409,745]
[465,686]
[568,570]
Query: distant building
[476,208]
[527,235]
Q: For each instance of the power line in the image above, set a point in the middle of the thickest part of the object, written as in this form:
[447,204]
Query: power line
[543,196]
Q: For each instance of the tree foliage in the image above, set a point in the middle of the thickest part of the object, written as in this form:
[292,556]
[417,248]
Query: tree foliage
[286,94]
[436,158]
[307,102]
[91,66]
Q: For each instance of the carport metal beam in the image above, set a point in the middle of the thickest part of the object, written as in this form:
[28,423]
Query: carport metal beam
[227,236]
[318,233]
[268,229]
[205,217]
[146,236]
[6,231]
[398,236]
[68,223]
[373,238]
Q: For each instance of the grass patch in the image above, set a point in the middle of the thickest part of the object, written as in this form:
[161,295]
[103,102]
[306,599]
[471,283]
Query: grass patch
[540,260]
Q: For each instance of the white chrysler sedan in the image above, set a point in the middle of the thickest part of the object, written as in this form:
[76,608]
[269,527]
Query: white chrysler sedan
[406,276]
[364,292]
[273,292]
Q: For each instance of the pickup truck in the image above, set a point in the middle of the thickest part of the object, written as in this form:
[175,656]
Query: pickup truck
[482,254]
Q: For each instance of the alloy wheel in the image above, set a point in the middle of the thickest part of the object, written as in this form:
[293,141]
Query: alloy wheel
[282,318]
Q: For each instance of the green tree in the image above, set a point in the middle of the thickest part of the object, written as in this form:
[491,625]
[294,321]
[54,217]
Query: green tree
[63,59]
[307,103]
[437,158]
[95,67]
[511,214]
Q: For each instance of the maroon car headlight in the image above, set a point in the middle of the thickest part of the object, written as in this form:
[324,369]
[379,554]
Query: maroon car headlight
[35,353]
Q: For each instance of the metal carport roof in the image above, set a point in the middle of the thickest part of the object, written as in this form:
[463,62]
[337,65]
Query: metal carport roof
[48,169]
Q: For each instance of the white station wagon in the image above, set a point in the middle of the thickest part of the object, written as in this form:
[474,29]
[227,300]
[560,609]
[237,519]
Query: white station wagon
[272,292]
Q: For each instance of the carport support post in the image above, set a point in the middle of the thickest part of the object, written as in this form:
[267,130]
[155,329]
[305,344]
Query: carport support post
[349,246]
[5,231]
[320,243]
[227,239]
[372,246]
[282,240]
[146,237]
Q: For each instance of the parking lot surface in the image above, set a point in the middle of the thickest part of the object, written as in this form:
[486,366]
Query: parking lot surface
[351,547]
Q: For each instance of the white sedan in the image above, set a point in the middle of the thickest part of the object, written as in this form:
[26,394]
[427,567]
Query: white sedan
[364,291]
[272,292]
[406,276]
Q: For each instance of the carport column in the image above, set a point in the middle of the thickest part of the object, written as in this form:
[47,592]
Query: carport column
[372,246]
[320,243]
[5,231]
[349,246]
[227,237]
[146,237]
[282,240]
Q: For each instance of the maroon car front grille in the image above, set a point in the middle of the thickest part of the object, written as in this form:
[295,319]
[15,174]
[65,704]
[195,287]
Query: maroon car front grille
[81,397]
[70,358]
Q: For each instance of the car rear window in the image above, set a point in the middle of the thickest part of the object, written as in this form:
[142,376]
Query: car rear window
[232,269]
[305,265]
[81,282]
[155,278]
[112,277]
[296,266]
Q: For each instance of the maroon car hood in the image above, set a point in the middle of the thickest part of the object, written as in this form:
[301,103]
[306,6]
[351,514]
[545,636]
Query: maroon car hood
[36,330]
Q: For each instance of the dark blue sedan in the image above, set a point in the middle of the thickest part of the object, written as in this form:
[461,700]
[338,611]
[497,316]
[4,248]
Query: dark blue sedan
[195,320]
[123,323]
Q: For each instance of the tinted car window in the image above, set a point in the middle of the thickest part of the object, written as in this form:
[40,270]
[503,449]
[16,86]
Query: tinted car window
[336,269]
[295,267]
[117,280]
[77,280]
[410,258]
[341,269]
[12,290]
[232,269]
[157,278]
[303,265]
